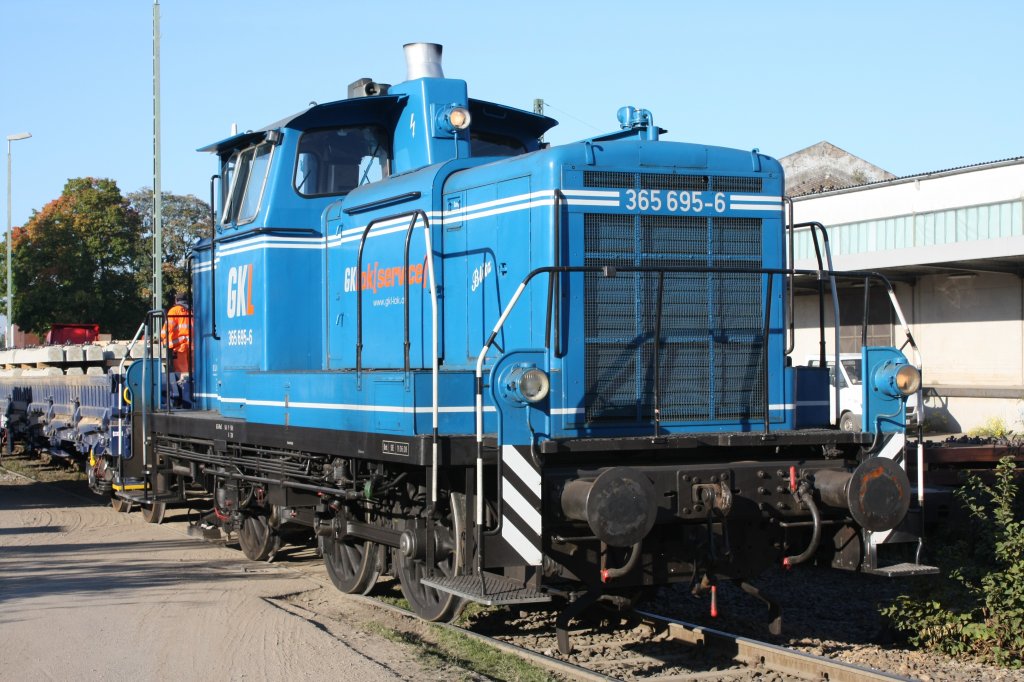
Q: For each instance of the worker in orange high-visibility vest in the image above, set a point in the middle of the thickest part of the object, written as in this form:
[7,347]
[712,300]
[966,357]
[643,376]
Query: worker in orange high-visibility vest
[177,336]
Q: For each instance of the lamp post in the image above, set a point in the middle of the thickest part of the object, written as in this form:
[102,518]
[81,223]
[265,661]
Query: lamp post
[10,296]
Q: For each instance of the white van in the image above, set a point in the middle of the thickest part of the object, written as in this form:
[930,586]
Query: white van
[850,397]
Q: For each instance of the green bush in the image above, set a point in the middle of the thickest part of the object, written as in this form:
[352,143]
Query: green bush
[977,607]
[994,427]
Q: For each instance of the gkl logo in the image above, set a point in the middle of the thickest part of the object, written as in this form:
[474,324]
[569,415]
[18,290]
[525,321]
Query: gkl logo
[240,291]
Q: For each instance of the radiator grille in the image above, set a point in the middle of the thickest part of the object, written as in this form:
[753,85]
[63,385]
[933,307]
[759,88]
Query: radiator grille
[711,340]
[665,181]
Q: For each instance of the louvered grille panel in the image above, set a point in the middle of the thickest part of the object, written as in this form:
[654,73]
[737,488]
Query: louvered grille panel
[711,341]
[699,183]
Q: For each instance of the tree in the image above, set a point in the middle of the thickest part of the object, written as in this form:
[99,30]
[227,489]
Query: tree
[185,219]
[77,261]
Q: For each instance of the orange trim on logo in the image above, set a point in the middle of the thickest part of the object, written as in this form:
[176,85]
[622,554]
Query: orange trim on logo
[248,298]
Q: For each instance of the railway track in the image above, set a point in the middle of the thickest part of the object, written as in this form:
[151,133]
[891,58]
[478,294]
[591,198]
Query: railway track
[762,656]
[655,648]
[663,649]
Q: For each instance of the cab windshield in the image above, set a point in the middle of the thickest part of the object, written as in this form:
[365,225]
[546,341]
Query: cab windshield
[335,161]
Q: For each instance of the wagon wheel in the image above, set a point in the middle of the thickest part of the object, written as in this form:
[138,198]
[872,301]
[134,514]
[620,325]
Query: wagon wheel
[426,602]
[352,565]
[257,539]
[153,512]
[120,505]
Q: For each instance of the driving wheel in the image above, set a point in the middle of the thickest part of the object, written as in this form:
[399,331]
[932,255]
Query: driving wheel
[153,512]
[256,538]
[427,602]
[352,565]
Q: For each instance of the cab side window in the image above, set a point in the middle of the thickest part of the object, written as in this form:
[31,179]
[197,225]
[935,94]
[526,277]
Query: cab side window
[247,174]
[337,160]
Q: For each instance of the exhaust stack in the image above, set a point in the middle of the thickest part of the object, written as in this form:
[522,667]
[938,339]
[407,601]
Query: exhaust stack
[423,60]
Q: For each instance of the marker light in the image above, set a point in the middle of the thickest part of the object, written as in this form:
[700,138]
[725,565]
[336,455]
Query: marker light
[459,118]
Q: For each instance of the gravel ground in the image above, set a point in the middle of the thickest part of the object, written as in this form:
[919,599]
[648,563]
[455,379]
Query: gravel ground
[90,594]
[827,613]
[830,613]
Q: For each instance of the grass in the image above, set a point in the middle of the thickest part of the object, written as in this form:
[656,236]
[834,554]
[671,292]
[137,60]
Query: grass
[443,648]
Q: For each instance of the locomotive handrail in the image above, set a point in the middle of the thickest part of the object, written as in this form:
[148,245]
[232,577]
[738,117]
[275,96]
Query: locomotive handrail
[554,283]
[657,356]
[866,275]
[815,227]
[147,352]
[213,260]
[382,203]
[294,231]
[120,401]
[435,369]
[611,271]
[405,279]
[764,354]
[788,229]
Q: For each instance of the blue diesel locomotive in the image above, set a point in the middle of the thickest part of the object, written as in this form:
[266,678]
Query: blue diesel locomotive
[510,372]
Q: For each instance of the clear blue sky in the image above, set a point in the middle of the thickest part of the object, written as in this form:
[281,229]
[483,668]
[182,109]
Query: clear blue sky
[909,86]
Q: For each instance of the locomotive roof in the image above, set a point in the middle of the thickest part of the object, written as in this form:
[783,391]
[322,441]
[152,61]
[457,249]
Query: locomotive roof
[487,117]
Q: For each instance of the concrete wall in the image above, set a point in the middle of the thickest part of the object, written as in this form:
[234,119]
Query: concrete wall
[971,334]
[970,328]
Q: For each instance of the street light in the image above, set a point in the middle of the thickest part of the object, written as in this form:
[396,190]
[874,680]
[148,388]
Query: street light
[10,296]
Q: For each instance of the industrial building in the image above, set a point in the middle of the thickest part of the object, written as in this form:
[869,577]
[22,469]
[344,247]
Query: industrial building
[952,243]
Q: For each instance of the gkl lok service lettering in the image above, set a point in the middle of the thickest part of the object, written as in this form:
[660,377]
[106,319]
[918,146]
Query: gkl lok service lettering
[376,277]
[240,291]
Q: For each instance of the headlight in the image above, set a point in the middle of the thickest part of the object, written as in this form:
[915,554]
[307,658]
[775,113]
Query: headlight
[459,118]
[452,119]
[897,379]
[534,385]
[908,380]
[524,384]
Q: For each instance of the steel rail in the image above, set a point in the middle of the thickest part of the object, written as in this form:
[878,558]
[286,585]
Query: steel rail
[771,656]
[573,671]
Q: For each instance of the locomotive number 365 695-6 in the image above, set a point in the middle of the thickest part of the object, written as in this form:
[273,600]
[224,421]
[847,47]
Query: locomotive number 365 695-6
[675,201]
[240,337]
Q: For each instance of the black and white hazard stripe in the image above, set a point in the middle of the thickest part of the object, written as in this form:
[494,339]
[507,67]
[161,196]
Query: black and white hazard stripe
[520,491]
[893,449]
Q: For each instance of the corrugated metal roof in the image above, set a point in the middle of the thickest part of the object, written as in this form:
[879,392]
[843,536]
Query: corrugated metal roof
[918,176]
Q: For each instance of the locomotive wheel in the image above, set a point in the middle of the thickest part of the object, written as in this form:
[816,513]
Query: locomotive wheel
[120,505]
[352,565]
[153,513]
[256,538]
[426,602]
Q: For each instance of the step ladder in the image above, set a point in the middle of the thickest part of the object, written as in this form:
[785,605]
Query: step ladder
[488,589]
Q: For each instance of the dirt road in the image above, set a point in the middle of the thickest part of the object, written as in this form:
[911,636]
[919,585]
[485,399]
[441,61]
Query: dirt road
[89,594]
